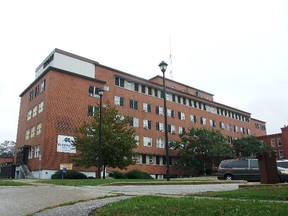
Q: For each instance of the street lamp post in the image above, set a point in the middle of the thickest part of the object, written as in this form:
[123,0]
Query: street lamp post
[163,66]
[100,93]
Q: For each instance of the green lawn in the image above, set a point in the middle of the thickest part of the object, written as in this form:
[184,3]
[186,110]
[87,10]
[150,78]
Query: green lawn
[11,182]
[272,192]
[155,205]
[252,204]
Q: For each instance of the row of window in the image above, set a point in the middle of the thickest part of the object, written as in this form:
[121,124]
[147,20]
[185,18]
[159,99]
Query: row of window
[34,152]
[33,131]
[152,159]
[36,110]
[277,141]
[37,90]
[177,99]
[147,124]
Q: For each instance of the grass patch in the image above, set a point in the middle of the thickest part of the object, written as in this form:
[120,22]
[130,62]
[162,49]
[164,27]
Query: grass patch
[11,182]
[273,192]
[155,205]
[92,182]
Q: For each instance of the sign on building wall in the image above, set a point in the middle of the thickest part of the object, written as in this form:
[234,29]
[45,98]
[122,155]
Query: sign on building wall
[68,166]
[64,144]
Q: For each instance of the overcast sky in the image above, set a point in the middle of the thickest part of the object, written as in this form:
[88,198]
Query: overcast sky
[236,50]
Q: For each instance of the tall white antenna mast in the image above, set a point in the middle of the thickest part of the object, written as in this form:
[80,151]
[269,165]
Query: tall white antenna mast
[170,60]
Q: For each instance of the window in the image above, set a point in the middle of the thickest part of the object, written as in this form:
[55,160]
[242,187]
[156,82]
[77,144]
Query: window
[91,110]
[159,143]
[184,100]
[212,123]
[147,141]
[136,137]
[39,129]
[170,113]
[229,127]
[134,122]
[41,107]
[27,134]
[31,151]
[147,107]
[193,118]
[34,111]
[160,126]
[181,115]
[147,124]
[33,130]
[143,89]
[173,98]
[143,159]
[273,142]
[159,110]
[179,99]
[236,128]
[281,154]
[203,121]
[248,131]
[119,81]
[136,158]
[241,164]
[157,160]
[37,151]
[93,91]
[279,142]
[118,101]
[42,86]
[136,87]
[151,161]
[156,92]
[149,90]
[181,130]
[29,115]
[133,104]
[254,164]
[222,125]
[171,129]
[128,85]
[242,131]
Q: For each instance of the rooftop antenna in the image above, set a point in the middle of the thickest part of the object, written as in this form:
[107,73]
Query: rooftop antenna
[170,60]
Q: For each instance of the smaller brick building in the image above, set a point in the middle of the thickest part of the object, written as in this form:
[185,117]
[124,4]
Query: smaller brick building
[279,142]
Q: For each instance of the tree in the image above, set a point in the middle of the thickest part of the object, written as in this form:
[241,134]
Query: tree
[249,147]
[200,148]
[7,149]
[117,144]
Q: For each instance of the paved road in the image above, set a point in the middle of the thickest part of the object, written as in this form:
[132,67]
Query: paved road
[26,200]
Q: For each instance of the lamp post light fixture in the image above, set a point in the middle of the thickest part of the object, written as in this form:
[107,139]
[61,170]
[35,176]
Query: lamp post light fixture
[163,66]
[100,93]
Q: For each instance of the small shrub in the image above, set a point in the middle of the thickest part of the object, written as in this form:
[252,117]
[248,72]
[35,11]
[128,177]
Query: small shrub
[137,174]
[70,174]
[118,175]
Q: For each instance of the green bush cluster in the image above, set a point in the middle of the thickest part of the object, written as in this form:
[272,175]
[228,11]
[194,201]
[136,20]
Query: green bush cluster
[70,174]
[133,174]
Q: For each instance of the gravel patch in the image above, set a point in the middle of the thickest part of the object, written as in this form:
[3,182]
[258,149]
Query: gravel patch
[82,208]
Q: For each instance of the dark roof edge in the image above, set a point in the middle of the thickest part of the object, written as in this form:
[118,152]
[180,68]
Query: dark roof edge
[61,71]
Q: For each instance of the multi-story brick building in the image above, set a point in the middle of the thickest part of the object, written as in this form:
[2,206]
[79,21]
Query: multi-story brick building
[279,142]
[63,95]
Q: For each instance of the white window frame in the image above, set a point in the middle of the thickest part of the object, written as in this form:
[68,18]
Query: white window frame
[34,112]
[37,151]
[41,107]
[33,130]
[136,137]
[29,115]
[160,143]
[39,129]
[135,122]
[147,141]
[27,134]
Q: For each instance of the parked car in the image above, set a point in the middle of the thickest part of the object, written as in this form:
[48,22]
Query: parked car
[245,169]
[283,170]
[239,169]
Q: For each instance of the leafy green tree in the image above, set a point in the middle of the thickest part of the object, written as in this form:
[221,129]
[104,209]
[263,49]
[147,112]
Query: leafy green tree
[117,142]
[249,147]
[7,149]
[200,148]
